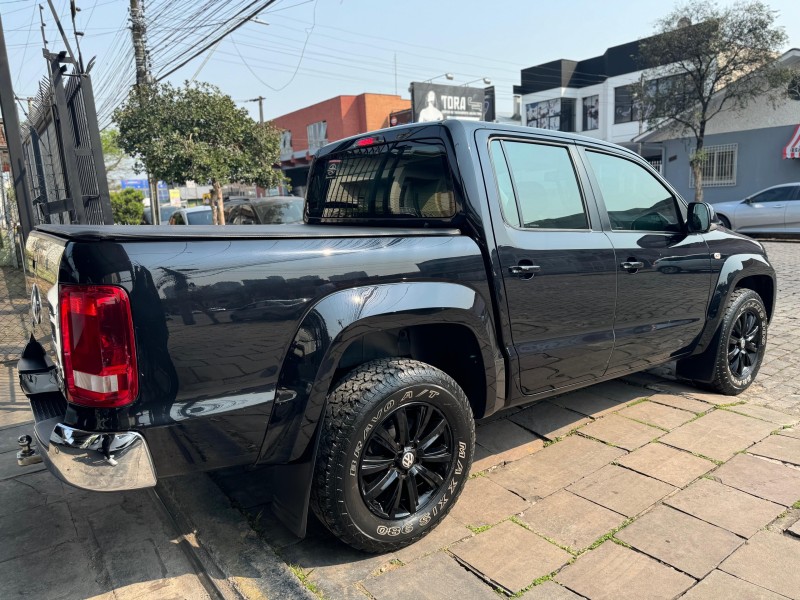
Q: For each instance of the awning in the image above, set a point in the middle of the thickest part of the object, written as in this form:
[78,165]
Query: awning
[792,149]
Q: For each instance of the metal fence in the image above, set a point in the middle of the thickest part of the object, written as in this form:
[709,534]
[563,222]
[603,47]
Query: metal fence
[13,295]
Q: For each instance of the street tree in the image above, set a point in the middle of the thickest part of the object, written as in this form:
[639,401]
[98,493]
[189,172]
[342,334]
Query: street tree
[195,132]
[708,59]
[127,206]
[113,155]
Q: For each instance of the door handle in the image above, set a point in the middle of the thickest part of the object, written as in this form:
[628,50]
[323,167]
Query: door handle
[524,269]
[632,265]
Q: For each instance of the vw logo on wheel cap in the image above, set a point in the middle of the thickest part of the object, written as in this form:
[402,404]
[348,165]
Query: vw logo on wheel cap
[408,460]
[36,305]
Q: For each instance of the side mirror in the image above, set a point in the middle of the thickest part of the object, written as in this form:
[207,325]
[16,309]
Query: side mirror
[701,215]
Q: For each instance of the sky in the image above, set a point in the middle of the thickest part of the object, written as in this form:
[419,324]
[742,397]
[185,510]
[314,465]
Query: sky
[311,50]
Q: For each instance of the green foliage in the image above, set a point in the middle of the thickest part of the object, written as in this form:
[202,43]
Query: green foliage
[113,155]
[196,132]
[709,59]
[127,206]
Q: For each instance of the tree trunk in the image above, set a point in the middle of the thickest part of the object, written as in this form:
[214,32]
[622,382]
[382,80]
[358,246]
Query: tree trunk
[697,171]
[217,208]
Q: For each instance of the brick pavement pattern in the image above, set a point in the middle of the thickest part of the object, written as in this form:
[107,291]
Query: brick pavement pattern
[639,488]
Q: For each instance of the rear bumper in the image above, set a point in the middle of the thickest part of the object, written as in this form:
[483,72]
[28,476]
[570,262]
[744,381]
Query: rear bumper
[101,462]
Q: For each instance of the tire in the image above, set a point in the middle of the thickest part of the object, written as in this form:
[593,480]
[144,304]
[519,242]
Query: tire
[726,222]
[742,343]
[361,464]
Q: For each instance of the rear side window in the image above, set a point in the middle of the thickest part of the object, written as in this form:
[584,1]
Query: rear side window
[544,183]
[634,198]
[395,180]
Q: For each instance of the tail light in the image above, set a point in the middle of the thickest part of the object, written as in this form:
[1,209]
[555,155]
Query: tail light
[99,353]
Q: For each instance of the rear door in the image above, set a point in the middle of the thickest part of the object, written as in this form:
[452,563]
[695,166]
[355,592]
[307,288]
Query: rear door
[663,272]
[557,265]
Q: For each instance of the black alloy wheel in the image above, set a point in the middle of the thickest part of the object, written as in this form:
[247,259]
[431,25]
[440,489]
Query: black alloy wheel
[406,460]
[744,343]
[394,453]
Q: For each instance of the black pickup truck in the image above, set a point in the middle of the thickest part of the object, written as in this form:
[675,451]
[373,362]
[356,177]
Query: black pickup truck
[444,271]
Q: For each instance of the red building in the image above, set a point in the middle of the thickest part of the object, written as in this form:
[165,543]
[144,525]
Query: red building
[306,130]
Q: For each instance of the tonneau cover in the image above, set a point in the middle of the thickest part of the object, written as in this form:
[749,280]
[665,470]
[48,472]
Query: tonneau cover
[213,232]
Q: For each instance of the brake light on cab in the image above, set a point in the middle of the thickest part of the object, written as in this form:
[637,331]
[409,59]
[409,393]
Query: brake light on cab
[97,344]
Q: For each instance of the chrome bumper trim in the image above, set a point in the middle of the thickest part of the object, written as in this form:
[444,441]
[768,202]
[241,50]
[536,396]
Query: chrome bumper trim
[101,462]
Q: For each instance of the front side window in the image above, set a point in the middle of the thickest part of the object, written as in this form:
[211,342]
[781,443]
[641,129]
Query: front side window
[405,179]
[200,217]
[634,198]
[779,194]
[544,183]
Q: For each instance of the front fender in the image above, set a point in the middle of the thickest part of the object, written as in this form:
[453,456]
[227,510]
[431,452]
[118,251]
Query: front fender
[334,322]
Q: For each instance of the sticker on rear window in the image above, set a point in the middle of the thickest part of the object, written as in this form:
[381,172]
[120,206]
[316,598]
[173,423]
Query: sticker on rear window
[332,169]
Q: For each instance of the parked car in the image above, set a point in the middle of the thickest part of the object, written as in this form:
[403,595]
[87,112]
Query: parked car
[195,215]
[773,210]
[444,271]
[266,211]
[166,213]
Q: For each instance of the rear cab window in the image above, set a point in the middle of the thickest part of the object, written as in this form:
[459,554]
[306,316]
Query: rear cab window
[400,180]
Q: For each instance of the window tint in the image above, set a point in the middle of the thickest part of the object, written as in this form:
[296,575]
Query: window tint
[634,198]
[775,195]
[395,180]
[177,219]
[504,185]
[546,186]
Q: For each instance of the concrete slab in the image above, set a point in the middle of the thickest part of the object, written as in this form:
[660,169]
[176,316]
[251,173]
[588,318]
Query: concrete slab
[725,507]
[766,414]
[688,544]
[770,561]
[793,432]
[719,434]
[510,556]
[430,578]
[16,494]
[667,464]
[46,574]
[555,467]
[9,467]
[621,490]
[9,435]
[682,402]
[653,413]
[549,420]
[447,533]
[483,502]
[612,572]
[795,529]
[503,441]
[721,585]
[549,590]
[621,432]
[780,447]
[589,403]
[762,478]
[570,520]
[40,527]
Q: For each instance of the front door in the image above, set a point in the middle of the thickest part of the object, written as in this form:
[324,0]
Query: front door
[557,265]
[792,216]
[765,210]
[663,272]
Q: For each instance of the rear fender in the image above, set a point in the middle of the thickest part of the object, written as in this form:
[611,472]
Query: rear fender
[318,345]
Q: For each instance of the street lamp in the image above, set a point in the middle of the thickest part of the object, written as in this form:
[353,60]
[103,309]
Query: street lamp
[485,80]
[445,75]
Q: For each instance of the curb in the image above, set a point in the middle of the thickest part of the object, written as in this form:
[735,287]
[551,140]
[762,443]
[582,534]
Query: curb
[239,563]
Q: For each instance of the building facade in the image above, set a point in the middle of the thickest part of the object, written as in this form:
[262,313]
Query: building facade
[306,130]
[748,150]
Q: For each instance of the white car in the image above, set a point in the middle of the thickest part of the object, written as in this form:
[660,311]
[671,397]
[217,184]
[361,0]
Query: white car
[196,215]
[773,210]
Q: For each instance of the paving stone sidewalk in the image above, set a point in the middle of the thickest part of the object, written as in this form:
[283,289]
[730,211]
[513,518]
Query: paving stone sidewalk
[641,488]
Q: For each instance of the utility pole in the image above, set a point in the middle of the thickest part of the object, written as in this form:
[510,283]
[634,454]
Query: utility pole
[139,35]
[14,140]
[260,101]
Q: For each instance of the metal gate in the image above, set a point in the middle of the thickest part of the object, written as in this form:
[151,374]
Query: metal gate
[14,304]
